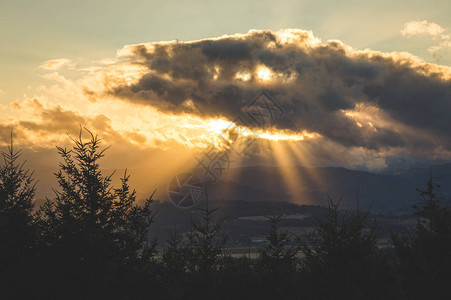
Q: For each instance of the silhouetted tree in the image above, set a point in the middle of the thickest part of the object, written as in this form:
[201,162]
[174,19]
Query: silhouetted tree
[17,229]
[341,260]
[175,255]
[425,256]
[276,262]
[276,255]
[174,261]
[91,241]
[206,247]
[205,250]
[95,234]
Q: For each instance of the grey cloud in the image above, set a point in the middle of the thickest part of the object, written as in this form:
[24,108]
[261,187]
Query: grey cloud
[314,85]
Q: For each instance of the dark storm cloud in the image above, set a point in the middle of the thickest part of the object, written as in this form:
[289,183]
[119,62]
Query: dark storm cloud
[315,84]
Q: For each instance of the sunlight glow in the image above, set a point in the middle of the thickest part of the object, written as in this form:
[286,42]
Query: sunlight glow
[219,125]
[225,128]
[243,76]
[289,171]
[284,135]
[296,36]
[366,116]
[263,73]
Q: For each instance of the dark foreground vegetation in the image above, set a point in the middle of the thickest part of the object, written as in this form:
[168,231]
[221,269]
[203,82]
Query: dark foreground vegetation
[91,241]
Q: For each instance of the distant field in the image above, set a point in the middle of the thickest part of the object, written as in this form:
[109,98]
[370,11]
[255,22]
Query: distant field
[251,252]
[265,218]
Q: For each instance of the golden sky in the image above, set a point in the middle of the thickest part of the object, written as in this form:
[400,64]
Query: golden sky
[369,92]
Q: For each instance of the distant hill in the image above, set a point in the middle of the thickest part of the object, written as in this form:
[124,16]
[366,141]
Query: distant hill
[312,185]
[382,192]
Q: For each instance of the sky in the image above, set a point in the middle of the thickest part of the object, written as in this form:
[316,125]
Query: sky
[35,31]
[362,84]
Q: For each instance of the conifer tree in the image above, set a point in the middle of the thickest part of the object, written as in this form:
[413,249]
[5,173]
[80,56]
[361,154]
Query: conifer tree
[174,261]
[425,256]
[341,258]
[206,247]
[277,253]
[276,262]
[94,233]
[18,233]
[17,191]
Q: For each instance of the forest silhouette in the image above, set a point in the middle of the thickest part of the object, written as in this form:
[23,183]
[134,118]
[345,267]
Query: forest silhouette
[91,241]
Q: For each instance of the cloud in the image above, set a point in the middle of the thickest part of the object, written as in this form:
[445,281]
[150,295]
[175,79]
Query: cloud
[324,88]
[421,27]
[56,64]
[39,123]
[37,135]
[51,125]
[441,45]
[365,108]
[428,28]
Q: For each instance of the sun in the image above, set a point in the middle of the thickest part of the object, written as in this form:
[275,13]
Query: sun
[263,73]
[222,126]
[218,126]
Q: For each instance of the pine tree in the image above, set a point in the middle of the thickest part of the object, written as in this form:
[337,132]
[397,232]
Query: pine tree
[425,256]
[17,228]
[205,249]
[94,233]
[175,261]
[276,262]
[205,244]
[277,255]
[175,256]
[17,191]
[342,261]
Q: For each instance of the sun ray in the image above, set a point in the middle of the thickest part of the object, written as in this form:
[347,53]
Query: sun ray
[305,160]
[289,171]
[230,177]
